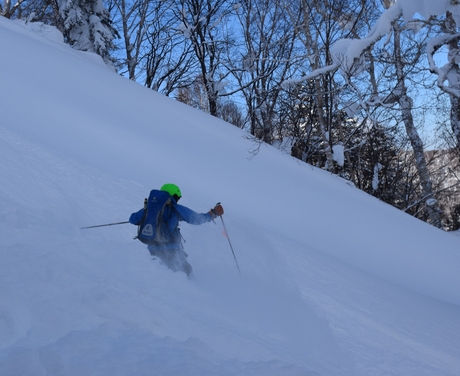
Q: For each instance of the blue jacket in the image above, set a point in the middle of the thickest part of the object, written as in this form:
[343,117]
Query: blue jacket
[172,215]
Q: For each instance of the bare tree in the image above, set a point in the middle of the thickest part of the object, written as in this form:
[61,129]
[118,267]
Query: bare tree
[46,11]
[203,24]
[167,63]
[134,18]
[405,102]
[153,51]
[9,8]
[231,113]
[194,95]
[266,59]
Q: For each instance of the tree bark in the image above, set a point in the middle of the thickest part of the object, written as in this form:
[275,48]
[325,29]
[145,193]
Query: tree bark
[406,105]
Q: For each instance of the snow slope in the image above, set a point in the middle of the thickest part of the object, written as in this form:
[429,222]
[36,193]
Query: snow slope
[333,282]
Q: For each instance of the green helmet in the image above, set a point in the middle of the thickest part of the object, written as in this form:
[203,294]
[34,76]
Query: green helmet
[172,189]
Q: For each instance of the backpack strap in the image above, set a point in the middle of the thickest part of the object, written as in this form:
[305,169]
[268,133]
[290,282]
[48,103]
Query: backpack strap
[142,219]
[160,230]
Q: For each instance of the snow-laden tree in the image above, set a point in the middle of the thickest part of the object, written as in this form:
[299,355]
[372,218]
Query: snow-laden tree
[319,25]
[85,24]
[355,56]
[447,12]
[87,27]
[449,74]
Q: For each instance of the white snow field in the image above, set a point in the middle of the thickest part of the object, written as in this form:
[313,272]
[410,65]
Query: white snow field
[333,281]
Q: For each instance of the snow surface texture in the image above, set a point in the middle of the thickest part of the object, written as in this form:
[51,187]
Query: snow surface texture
[333,282]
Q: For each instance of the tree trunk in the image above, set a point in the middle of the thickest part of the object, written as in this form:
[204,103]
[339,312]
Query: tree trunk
[323,126]
[406,105]
[455,119]
[451,28]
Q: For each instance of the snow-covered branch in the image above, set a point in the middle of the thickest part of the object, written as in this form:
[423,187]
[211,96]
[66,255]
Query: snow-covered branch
[311,76]
[347,52]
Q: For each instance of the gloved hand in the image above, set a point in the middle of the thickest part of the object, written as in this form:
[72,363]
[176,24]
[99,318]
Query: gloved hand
[217,211]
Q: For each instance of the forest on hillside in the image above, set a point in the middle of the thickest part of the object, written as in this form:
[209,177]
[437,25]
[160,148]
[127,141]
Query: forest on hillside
[368,90]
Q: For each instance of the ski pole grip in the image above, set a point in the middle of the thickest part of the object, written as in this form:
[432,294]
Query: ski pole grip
[145,203]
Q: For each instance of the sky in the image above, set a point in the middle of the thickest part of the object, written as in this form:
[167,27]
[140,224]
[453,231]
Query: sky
[333,281]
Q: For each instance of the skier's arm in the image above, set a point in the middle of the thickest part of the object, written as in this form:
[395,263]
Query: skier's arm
[189,216]
[136,217]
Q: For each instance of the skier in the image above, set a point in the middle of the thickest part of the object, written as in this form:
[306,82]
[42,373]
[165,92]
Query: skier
[158,225]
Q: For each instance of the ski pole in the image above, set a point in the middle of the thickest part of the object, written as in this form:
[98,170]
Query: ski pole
[108,224]
[229,242]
